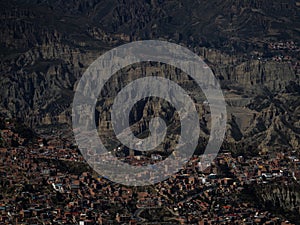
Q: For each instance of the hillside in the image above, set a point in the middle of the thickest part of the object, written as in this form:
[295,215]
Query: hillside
[252,46]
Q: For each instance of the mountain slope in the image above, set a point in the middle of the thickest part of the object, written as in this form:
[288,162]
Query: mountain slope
[47,45]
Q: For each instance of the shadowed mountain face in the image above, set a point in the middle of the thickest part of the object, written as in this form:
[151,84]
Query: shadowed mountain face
[250,45]
[227,24]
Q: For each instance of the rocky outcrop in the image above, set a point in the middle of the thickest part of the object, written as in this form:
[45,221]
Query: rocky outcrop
[283,199]
[47,45]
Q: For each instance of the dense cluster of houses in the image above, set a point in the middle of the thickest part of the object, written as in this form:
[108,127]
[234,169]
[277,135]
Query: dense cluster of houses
[283,45]
[35,191]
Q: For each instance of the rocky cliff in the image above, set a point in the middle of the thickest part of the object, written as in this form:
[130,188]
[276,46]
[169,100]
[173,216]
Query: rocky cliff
[281,199]
[47,45]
